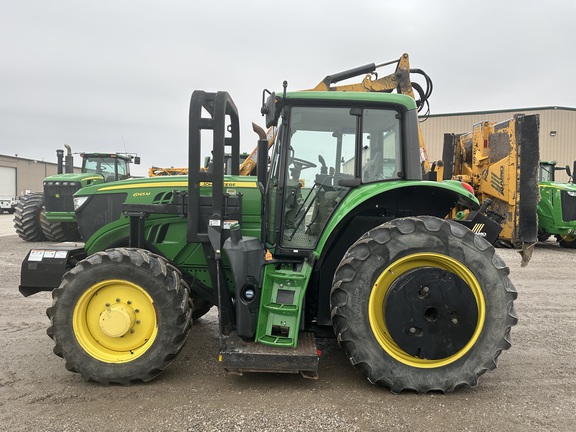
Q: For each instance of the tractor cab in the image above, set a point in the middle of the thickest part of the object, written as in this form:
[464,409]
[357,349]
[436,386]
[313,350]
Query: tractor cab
[326,147]
[112,167]
[547,170]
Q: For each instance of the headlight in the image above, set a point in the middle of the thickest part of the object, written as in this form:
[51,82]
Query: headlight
[572,193]
[79,202]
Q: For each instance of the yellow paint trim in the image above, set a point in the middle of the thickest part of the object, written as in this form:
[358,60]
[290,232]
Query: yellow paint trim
[396,270]
[92,178]
[232,184]
[174,184]
[553,186]
[145,185]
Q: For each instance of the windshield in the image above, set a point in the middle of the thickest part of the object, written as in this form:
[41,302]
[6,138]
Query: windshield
[324,147]
[106,166]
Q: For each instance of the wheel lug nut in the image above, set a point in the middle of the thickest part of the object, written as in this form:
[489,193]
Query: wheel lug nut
[129,302]
[412,330]
[454,320]
[137,321]
[132,331]
[117,300]
[107,304]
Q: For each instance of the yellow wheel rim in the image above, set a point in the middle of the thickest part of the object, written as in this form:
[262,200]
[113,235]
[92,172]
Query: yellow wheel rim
[115,321]
[401,267]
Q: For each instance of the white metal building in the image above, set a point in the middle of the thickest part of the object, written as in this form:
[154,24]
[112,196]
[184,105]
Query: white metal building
[19,176]
[557,131]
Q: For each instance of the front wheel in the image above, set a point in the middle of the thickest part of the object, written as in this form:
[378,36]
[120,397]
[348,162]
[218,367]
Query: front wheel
[120,316]
[422,304]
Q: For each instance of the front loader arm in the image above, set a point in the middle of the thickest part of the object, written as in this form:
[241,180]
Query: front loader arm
[399,80]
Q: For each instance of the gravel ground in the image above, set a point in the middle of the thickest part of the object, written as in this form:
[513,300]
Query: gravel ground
[533,388]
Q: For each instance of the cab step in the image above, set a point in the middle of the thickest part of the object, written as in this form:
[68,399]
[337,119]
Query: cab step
[238,356]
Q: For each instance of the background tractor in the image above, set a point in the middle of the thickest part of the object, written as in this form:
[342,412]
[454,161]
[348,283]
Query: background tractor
[49,215]
[557,205]
[338,231]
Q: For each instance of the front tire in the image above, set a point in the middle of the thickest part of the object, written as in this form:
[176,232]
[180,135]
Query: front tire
[120,316]
[422,304]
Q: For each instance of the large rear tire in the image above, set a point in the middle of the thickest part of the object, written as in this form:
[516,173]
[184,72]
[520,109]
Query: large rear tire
[27,214]
[120,316]
[422,304]
[201,307]
[568,241]
[59,231]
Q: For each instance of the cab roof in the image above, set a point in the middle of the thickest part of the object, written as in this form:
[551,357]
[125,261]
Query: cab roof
[392,98]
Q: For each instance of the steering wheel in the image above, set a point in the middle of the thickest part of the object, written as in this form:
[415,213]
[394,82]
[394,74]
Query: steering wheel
[304,164]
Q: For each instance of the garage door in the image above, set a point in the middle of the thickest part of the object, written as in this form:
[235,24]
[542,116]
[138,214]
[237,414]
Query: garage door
[7,181]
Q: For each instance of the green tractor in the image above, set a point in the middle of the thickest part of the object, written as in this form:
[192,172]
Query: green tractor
[49,215]
[557,205]
[336,231]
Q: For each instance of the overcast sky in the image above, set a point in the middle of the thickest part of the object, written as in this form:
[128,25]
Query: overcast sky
[117,75]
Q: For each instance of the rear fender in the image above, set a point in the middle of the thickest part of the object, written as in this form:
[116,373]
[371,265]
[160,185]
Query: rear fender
[362,211]
[399,199]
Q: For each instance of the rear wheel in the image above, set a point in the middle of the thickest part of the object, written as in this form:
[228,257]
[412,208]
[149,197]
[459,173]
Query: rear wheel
[27,214]
[201,307]
[422,304]
[568,241]
[120,316]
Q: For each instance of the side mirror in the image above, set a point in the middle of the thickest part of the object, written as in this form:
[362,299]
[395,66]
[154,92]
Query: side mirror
[350,182]
[269,108]
[137,160]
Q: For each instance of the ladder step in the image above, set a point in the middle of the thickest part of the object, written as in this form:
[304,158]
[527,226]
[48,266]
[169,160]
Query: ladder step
[281,308]
[281,304]
[239,356]
[291,276]
[276,341]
